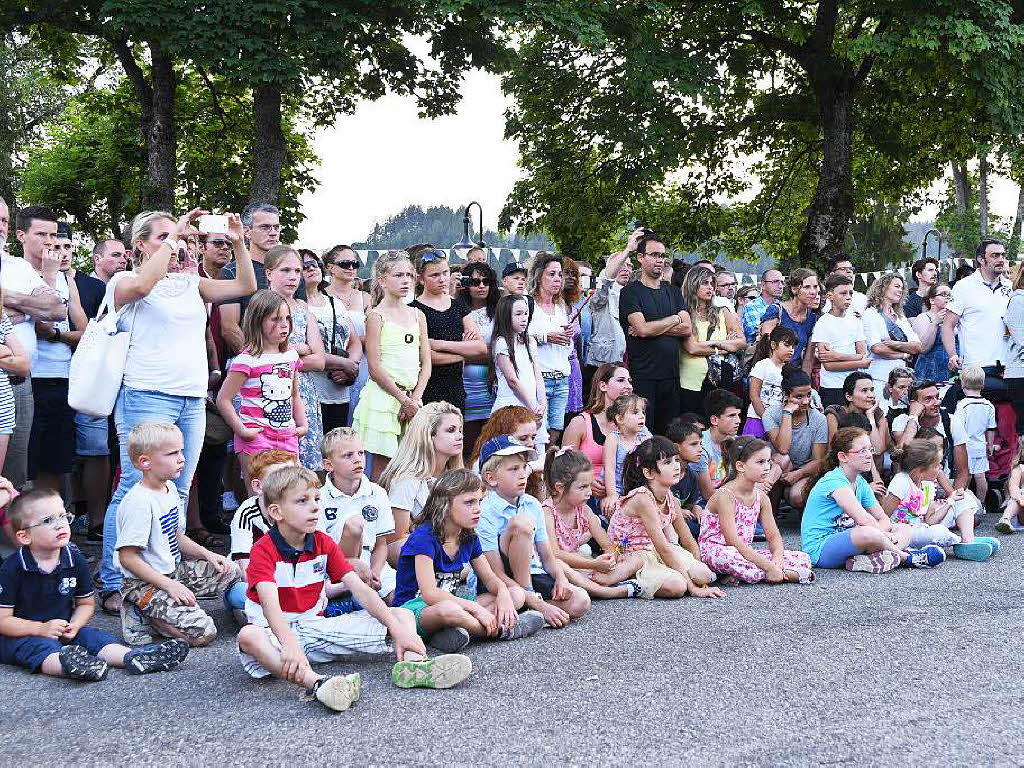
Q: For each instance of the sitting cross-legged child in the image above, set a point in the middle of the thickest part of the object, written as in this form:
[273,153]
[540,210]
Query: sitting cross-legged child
[686,435]
[731,515]
[514,539]
[160,587]
[357,514]
[647,522]
[46,599]
[251,522]
[289,570]
[442,543]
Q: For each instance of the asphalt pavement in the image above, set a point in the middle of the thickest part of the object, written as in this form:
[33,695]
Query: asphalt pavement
[909,668]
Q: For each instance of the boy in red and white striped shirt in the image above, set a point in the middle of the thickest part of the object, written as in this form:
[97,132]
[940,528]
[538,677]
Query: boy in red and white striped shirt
[288,571]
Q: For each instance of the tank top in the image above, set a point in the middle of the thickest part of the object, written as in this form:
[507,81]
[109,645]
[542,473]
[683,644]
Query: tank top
[400,352]
[590,446]
[693,369]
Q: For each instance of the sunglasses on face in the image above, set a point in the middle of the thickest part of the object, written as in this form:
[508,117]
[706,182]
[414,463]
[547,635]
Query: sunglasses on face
[310,265]
[219,243]
[347,264]
[476,282]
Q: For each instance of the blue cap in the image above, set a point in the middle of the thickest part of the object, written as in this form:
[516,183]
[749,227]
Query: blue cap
[504,445]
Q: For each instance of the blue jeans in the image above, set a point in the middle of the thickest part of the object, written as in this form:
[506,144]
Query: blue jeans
[134,407]
[234,598]
[557,391]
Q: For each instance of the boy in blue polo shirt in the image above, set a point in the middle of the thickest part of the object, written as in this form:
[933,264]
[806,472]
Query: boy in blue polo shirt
[514,538]
[46,599]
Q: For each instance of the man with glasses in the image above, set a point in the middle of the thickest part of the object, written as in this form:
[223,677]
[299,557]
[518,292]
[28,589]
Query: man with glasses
[976,313]
[261,223]
[772,284]
[725,289]
[925,273]
[653,320]
[842,265]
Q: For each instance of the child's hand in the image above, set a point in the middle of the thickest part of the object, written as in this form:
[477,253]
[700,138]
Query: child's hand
[608,503]
[294,664]
[181,594]
[301,430]
[561,590]
[303,349]
[604,563]
[693,512]
[405,641]
[485,617]
[54,628]
[221,563]
[554,616]
[506,615]
[248,434]
[773,574]
[713,592]
[992,450]
[70,632]
[958,494]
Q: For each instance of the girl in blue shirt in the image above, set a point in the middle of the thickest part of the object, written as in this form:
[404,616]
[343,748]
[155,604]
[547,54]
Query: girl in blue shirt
[843,523]
[443,540]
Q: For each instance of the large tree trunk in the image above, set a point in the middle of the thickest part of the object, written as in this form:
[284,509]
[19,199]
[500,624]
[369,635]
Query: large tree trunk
[1013,249]
[831,209]
[268,146]
[961,188]
[983,195]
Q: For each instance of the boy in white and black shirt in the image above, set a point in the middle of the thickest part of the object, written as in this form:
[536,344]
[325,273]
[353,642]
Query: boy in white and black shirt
[839,341]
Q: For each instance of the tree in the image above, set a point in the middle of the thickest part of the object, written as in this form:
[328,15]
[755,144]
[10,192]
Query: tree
[440,225]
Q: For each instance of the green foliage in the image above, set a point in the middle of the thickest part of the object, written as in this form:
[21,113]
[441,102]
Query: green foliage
[442,226]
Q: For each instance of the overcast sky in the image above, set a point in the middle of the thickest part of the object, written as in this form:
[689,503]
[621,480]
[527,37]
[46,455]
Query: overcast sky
[384,157]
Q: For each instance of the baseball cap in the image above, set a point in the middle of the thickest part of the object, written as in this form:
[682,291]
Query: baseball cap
[511,268]
[504,445]
[63,230]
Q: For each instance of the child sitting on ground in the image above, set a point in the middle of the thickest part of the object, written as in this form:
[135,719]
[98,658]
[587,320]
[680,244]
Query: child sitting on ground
[909,501]
[160,588]
[514,539]
[1010,521]
[731,515]
[647,522]
[977,416]
[251,521]
[288,572]
[442,542]
[629,415]
[571,524]
[46,599]
[686,435]
[356,513]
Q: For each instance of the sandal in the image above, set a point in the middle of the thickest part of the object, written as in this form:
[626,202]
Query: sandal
[113,610]
[204,538]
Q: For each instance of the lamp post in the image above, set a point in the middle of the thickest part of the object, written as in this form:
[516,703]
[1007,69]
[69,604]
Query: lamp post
[463,247]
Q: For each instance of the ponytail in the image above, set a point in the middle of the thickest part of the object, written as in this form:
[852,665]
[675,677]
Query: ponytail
[737,449]
[645,456]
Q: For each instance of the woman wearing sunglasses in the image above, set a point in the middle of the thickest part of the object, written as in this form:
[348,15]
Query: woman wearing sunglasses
[932,362]
[479,290]
[342,265]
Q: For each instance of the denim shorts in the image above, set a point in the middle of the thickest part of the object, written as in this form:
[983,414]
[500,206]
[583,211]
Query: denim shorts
[557,391]
[31,650]
[91,435]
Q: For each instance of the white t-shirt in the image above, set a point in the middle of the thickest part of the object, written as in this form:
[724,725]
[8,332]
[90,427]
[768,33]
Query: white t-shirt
[167,352]
[875,331]
[151,520]
[977,415]
[18,275]
[553,358]
[771,385]
[841,334]
[53,358]
[857,305]
[370,501]
[409,493]
[525,372]
[981,310]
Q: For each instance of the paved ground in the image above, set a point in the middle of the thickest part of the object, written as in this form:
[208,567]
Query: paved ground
[912,667]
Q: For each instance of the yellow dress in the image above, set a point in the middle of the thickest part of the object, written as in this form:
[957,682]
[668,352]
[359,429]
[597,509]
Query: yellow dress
[693,369]
[376,415]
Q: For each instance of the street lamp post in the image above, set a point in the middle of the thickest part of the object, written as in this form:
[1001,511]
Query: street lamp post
[463,247]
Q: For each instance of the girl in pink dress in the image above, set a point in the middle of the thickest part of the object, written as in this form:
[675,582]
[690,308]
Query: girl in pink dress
[727,528]
[571,524]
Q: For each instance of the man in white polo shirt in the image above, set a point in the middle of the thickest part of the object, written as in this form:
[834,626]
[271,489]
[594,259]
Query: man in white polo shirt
[976,314]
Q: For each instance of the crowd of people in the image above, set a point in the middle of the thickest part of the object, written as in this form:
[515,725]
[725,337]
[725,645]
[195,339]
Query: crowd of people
[454,456]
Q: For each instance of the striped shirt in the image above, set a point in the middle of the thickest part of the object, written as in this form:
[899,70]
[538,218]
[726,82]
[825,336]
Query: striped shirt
[300,574]
[247,527]
[266,393]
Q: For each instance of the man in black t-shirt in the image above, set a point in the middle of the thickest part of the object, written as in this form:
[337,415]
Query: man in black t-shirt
[653,319]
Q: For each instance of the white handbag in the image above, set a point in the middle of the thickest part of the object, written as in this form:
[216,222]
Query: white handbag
[97,365]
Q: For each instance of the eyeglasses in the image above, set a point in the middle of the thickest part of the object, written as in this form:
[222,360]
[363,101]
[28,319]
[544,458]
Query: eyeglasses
[53,521]
[219,243]
[727,285]
[862,452]
[268,227]
[431,256]
[944,295]
[347,264]
[310,265]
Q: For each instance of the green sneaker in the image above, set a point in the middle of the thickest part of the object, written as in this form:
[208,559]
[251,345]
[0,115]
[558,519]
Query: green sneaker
[440,672]
[976,550]
[992,542]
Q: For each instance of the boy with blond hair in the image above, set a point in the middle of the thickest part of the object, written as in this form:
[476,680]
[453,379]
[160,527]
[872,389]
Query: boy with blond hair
[285,606]
[160,588]
[978,418]
[250,522]
[46,599]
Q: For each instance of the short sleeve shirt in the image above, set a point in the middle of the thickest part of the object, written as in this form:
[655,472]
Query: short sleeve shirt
[409,493]
[18,275]
[248,525]
[90,294]
[805,437]
[655,358]
[35,595]
[447,569]
[771,384]
[266,393]
[802,329]
[150,520]
[841,334]
[369,502]
[981,308]
[822,513]
[977,415]
[910,507]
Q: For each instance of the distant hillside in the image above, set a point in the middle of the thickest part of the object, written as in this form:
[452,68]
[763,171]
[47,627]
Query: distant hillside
[442,226]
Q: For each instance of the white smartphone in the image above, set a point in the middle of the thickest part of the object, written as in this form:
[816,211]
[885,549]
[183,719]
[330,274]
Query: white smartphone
[213,224]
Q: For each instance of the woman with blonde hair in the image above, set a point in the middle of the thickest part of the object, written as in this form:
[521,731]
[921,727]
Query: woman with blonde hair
[166,373]
[892,341]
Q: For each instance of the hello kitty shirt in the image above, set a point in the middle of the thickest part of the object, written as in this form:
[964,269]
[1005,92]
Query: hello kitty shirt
[266,399]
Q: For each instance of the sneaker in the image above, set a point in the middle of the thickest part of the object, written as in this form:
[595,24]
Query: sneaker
[159,657]
[241,619]
[134,627]
[1005,526]
[927,556]
[633,585]
[528,624]
[440,672]
[79,664]
[338,692]
[992,542]
[976,550]
[450,639]
[876,562]
[340,606]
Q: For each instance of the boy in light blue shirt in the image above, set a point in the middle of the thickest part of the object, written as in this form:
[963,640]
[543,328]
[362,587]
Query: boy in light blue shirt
[513,536]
